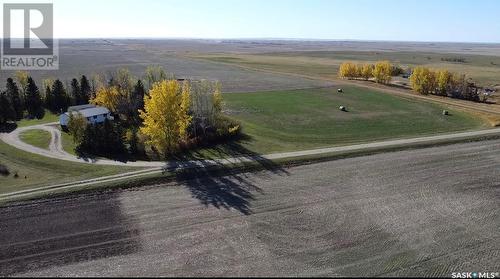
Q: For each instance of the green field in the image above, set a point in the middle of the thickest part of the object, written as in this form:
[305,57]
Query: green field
[48,118]
[67,143]
[303,119]
[42,171]
[37,138]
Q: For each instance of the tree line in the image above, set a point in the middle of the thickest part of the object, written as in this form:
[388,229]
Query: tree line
[22,97]
[445,83]
[381,72]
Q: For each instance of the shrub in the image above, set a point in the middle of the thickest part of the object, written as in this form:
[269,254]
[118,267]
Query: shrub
[4,171]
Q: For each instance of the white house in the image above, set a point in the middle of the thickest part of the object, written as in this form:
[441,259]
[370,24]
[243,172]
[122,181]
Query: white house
[93,114]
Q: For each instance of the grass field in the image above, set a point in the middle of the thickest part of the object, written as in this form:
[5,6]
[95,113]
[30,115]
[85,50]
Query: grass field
[303,119]
[38,138]
[41,171]
[48,118]
[67,143]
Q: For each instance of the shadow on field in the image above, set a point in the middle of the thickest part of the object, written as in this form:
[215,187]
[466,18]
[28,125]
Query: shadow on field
[56,232]
[222,183]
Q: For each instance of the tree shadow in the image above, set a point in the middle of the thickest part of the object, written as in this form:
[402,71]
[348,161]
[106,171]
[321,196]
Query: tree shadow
[8,127]
[217,176]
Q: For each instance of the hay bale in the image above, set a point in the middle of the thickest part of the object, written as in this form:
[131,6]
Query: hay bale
[340,90]
[342,108]
[445,112]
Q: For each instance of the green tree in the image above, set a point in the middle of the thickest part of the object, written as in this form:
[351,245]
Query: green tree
[76,92]
[76,127]
[7,112]
[86,90]
[137,101]
[60,97]
[34,103]
[13,94]
[49,98]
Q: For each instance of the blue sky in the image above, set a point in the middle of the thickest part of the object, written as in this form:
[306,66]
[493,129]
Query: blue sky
[406,20]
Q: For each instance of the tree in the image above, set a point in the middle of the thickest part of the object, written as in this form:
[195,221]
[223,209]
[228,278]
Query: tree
[85,90]
[49,99]
[12,92]
[444,80]
[76,127]
[34,103]
[102,139]
[22,79]
[137,100]
[163,116]
[184,116]
[61,99]
[7,112]
[423,80]
[348,70]
[383,72]
[76,92]
[109,97]
[367,71]
[156,74]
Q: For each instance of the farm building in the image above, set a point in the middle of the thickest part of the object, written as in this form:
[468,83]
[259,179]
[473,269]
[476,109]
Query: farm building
[93,114]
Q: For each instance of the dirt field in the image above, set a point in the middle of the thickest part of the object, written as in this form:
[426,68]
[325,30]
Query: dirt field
[427,212]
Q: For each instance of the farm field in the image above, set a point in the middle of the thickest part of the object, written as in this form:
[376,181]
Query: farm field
[483,68]
[291,120]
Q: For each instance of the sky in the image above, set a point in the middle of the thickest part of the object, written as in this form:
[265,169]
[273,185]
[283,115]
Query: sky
[393,20]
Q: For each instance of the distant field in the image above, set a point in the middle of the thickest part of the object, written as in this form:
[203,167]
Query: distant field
[482,68]
[37,138]
[303,119]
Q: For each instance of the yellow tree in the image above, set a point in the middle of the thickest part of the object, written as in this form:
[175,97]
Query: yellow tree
[444,81]
[108,97]
[165,115]
[184,116]
[383,72]
[423,80]
[348,70]
[22,80]
[367,71]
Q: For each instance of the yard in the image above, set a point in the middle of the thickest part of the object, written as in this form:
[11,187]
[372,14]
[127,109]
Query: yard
[37,138]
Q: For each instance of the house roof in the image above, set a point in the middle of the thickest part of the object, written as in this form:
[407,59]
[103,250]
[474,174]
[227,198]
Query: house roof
[80,107]
[89,112]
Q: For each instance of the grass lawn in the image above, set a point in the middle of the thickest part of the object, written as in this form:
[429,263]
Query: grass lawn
[48,118]
[38,138]
[67,143]
[42,171]
[303,119]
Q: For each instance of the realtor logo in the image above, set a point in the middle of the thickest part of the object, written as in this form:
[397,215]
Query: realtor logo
[28,37]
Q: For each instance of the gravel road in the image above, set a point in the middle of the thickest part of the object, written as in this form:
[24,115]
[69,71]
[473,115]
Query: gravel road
[427,212]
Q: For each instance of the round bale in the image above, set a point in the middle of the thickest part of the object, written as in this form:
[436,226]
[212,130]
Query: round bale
[340,90]
[445,112]
[342,108]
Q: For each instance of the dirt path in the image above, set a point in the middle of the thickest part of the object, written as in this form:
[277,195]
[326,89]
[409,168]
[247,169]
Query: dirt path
[56,150]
